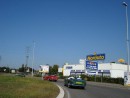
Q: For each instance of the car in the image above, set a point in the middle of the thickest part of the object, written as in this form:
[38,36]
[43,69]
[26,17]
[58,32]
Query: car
[50,77]
[20,74]
[74,82]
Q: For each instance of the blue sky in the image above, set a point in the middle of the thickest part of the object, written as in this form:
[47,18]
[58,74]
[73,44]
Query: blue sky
[63,30]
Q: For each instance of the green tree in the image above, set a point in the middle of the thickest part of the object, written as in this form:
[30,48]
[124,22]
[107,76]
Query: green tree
[50,70]
[55,69]
[5,69]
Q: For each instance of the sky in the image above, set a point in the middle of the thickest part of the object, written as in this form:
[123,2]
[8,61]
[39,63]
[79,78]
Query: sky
[63,31]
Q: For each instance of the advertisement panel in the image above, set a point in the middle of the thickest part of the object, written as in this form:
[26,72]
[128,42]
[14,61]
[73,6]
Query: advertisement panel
[95,57]
[91,67]
[44,68]
[60,69]
[127,78]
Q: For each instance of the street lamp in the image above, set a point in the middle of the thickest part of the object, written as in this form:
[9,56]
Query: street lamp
[127,39]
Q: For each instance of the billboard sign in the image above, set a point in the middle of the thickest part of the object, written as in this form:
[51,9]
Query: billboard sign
[95,57]
[91,67]
[44,68]
[60,69]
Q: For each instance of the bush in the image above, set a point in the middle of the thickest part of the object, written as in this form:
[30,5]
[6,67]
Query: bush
[105,79]
[61,76]
[38,75]
[83,76]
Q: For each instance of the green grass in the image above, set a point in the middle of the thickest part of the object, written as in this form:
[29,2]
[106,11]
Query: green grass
[20,87]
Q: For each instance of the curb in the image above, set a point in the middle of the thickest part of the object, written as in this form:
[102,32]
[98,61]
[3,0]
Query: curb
[61,94]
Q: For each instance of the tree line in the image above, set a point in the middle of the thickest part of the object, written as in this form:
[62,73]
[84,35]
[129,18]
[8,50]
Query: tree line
[52,69]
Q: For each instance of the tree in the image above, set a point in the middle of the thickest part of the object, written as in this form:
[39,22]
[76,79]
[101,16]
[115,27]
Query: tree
[22,68]
[50,70]
[53,69]
[5,69]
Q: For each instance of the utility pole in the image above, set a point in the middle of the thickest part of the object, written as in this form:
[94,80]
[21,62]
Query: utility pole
[27,58]
[0,60]
[127,42]
[33,58]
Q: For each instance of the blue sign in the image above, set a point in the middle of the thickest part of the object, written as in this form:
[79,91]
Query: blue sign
[69,67]
[91,65]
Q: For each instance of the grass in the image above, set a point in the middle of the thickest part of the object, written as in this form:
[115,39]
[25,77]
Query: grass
[20,87]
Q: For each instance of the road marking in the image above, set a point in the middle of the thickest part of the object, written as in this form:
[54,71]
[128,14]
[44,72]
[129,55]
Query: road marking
[61,94]
[68,94]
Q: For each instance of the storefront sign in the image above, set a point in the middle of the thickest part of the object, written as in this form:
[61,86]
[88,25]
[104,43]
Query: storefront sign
[96,57]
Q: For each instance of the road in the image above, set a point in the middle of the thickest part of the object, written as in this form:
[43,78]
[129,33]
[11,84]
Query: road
[93,91]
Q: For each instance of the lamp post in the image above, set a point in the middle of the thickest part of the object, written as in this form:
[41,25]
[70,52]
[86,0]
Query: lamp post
[127,38]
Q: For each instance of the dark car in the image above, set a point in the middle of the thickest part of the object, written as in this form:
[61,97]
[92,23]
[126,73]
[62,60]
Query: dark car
[20,74]
[74,82]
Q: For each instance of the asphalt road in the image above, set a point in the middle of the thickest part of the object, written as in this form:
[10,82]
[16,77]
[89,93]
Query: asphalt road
[95,91]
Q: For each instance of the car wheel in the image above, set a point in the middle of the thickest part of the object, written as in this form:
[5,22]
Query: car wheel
[83,87]
[69,85]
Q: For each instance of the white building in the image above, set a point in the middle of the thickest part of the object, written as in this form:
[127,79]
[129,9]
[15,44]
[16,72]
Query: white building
[110,69]
[74,68]
[113,69]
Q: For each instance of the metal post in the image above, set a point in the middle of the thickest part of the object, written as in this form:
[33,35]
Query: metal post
[95,77]
[127,40]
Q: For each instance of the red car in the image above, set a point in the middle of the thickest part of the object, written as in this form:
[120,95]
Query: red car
[50,77]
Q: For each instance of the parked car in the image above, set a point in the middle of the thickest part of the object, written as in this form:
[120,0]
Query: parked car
[50,77]
[74,82]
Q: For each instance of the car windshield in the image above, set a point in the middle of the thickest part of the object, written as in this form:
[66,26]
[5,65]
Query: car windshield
[71,78]
[78,78]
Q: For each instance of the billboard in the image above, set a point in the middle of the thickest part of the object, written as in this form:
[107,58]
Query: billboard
[60,69]
[44,68]
[95,57]
[91,67]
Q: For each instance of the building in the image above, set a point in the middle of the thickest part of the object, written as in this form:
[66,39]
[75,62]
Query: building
[113,70]
[69,69]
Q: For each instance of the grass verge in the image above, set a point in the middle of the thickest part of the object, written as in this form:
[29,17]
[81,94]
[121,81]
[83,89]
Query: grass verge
[20,87]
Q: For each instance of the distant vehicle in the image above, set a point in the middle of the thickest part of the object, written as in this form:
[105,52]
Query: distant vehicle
[74,82]
[20,75]
[50,77]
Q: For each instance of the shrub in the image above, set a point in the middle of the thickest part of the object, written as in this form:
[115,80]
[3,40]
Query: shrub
[105,79]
